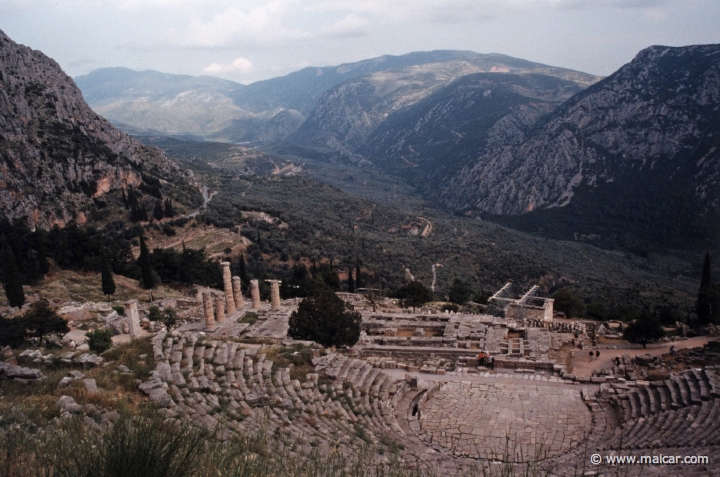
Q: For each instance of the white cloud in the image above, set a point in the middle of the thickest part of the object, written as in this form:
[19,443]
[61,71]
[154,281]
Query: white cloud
[350,26]
[238,26]
[240,65]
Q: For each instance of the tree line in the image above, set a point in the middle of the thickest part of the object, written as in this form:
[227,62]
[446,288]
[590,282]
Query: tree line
[25,254]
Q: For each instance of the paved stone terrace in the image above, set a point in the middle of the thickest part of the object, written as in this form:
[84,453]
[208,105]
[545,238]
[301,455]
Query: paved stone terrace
[491,419]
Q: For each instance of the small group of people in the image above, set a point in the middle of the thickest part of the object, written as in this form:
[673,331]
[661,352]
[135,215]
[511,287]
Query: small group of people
[484,359]
[594,354]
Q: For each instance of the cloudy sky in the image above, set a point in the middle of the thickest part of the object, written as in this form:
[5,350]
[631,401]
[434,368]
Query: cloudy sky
[249,40]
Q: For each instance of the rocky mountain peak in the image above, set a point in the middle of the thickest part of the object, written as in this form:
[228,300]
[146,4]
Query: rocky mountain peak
[56,154]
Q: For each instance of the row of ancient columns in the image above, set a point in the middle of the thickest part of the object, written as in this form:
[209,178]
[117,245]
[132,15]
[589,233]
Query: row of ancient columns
[233,299]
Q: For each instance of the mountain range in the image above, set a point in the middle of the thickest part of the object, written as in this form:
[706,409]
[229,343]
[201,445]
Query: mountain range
[636,155]
[627,161]
[150,102]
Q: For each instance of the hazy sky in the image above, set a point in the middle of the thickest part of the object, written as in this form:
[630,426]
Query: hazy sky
[250,40]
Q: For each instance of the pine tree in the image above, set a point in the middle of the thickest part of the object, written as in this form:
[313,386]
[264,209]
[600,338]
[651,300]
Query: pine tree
[124,198]
[351,282]
[11,275]
[148,274]
[323,317]
[42,320]
[108,282]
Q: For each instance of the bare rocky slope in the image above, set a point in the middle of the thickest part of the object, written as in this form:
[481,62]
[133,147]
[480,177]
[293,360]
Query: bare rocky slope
[439,134]
[348,114]
[57,155]
[641,146]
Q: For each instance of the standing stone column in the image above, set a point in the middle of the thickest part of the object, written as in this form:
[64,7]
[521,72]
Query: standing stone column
[227,284]
[237,292]
[133,318]
[274,294]
[219,309]
[208,308]
[255,293]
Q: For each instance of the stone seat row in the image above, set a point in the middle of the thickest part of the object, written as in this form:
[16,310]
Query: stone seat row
[680,411]
[688,388]
[215,381]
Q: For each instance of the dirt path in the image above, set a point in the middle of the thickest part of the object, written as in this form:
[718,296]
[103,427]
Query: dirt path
[583,367]
[427,230]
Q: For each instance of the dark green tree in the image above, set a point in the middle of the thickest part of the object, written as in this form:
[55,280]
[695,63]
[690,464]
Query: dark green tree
[169,212]
[708,300]
[108,282]
[646,328]
[325,318]
[41,253]
[41,320]
[242,272]
[351,282]
[569,303]
[148,274]
[327,274]
[359,282]
[460,292]
[12,332]
[482,297]
[414,294]
[158,212]
[597,311]
[99,341]
[11,276]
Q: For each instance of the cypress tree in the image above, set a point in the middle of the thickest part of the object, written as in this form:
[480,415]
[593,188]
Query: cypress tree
[108,282]
[41,254]
[13,284]
[351,282]
[242,273]
[158,211]
[708,298]
[358,280]
[148,275]
[169,212]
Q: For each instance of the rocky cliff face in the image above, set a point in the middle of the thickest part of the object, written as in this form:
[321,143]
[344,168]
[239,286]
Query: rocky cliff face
[656,119]
[348,114]
[437,135]
[56,154]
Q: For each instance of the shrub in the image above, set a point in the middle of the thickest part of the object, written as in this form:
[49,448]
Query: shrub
[99,341]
